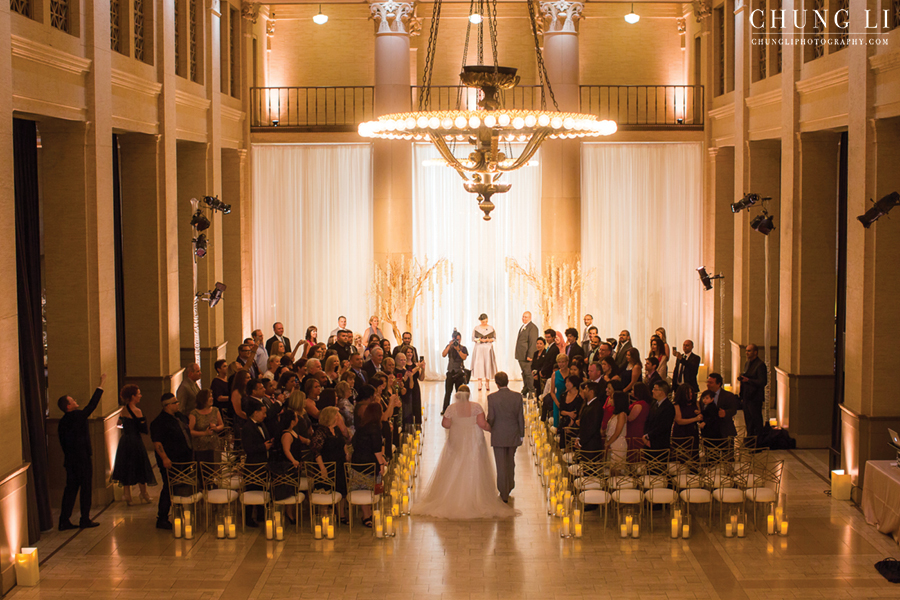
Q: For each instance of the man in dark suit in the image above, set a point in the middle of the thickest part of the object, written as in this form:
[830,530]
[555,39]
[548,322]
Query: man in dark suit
[727,403]
[373,365]
[573,348]
[590,424]
[75,440]
[279,336]
[257,442]
[356,364]
[658,428]
[406,342]
[651,375]
[753,390]
[173,444]
[591,339]
[623,347]
[526,345]
[686,367]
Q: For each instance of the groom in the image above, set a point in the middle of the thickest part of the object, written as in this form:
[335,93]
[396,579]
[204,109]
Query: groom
[507,420]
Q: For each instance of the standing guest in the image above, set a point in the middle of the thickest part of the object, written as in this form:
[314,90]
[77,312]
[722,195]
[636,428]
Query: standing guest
[623,347]
[570,405]
[594,373]
[616,445]
[312,389]
[221,392]
[279,336]
[609,405]
[658,351]
[271,366]
[590,432]
[327,398]
[552,353]
[187,391]
[373,365]
[238,390]
[343,400]
[260,354]
[172,442]
[651,371]
[753,390]
[661,332]
[257,443]
[406,339]
[357,343]
[132,467]
[288,382]
[75,440]
[405,377]
[537,363]
[343,345]
[342,325]
[687,415]
[559,385]
[313,368]
[304,427]
[726,402]
[588,323]
[591,345]
[631,372]
[573,349]
[712,423]
[368,449]
[372,330]
[244,361]
[205,423]
[327,446]
[608,370]
[356,367]
[332,364]
[286,456]
[637,415]
[658,428]
[386,347]
[418,374]
[456,354]
[484,363]
[686,367]
[526,345]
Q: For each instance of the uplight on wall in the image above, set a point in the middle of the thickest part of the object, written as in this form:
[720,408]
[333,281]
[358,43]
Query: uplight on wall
[632,17]
[320,19]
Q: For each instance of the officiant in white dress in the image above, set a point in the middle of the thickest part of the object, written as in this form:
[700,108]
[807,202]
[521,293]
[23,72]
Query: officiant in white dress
[484,363]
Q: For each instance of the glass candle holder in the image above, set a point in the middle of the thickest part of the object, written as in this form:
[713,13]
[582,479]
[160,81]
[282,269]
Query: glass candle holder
[686,527]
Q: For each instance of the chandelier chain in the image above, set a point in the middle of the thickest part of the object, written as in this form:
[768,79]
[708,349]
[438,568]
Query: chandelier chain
[459,90]
[480,34]
[425,92]
[542,68]
[492,26]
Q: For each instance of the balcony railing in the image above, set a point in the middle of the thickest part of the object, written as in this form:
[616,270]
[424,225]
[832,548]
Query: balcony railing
[334,109]
[458,97]
[646,107]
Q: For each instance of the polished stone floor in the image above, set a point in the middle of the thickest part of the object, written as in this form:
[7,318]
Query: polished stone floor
[830,553]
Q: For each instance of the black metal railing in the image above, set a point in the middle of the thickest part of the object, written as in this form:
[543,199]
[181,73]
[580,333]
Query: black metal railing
[312,108]
[460,97]
[646,107]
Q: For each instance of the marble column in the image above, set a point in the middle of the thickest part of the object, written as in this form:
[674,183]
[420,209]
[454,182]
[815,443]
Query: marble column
[392,159]
[561,159]
[236,250]
[719,258]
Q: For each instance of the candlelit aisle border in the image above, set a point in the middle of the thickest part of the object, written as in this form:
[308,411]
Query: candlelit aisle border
[566,509]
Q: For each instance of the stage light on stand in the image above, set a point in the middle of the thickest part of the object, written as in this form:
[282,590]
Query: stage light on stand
[746,202]
[200,243]
[879,209]
[706,278]
[763,223]
[214,295]
[199,221]
[214,203]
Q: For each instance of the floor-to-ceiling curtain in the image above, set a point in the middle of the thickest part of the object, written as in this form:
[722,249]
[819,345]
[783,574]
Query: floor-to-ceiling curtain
[312,236]
[641,235]
[447,223]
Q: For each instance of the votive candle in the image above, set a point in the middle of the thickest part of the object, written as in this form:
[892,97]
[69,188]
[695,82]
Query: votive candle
[623,530]
[784,527]
[686,531]
[729,530]
[232,531]
[740,530]
[331,532]
[279,533]
[636,530]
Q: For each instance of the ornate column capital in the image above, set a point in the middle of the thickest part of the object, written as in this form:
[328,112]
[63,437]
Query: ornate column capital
[702,9]
[270,27]
[250,11]
[561,15]
[395,17]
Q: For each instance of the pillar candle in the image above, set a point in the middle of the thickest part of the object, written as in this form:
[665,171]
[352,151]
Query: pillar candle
[389,525]
[379,532]
[27,567]
[220,531]
[395,510]
[686,531]
[729,531]
[674,528]
[277,520]
[559,510]
[178,527]
[227,521]
[740,530]
[566,526]
[577,516]
[318,532]
[405,504]
[578,527]
[279,533]
[623,530]
[331,532]
[636,530]
[779,515]
[770,524]
[187,518]
[840,485]
[628,521]
[784,528]
[269,529]
[232,531]
[188,532]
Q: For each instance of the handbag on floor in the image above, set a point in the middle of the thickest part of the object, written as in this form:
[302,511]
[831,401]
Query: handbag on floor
[889,569]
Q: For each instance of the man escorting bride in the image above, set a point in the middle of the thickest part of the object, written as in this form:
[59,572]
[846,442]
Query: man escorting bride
[462,484]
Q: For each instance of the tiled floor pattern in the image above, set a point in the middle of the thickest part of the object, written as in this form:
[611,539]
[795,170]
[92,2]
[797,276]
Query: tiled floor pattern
[829,554]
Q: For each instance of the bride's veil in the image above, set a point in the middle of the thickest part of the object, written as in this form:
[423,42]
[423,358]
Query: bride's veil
[462,407]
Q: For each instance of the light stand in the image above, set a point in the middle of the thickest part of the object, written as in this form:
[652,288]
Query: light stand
[199,223]
[706,279]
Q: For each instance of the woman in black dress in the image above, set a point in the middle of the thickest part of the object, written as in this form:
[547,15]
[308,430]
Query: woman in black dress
[304,427]
[687,415]
[132,466]
[286,455]
[569,406]
[418,374]
[368,449]
[328,446]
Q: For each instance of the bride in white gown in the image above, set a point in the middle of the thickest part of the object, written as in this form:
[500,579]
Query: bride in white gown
[463,484]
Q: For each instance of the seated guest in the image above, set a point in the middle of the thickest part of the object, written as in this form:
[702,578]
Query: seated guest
[573,349]
[288,382]
[658,428]
[368,449]
[328,447]
[651,371]
[631,373]
[637,415]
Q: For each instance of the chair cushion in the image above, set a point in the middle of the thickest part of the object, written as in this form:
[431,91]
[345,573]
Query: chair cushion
[728,495]
[221,496]
[761,495]
[696,496]
[361,497]
[298,499]
[594,497]
[569,457]
[654,481]
[575,470]
[192,499]
[660,496]
[588,483]
[620,482]
[255,498]
[627,496]
[325,498]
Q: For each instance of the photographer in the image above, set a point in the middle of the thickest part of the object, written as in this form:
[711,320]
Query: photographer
[456,375]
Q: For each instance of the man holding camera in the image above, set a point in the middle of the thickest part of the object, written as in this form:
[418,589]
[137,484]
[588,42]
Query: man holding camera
[456,375]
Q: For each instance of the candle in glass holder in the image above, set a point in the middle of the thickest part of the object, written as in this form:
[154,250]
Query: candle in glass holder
[636,530]
[623,530]
[784,527]
[729,530]
[318,532]
[576,516]
[220,531]
[187,518]
[405,505]
[279,533]
[331,532]
[278,522]
[232,531]
[565,528]
[770,524]
[779,515]
[188,532]
[389,525]
[269,529]
[674,528]
[686,531]
[629,520]
[578,527]
[395,510]
[740,529]
[379,532]
[178,527]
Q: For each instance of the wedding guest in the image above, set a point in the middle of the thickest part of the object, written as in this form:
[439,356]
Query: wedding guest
[591,338]
[538,363]
[753,390]
[260,354]
[573,349]
[588,323]
[327,446]
[221,391]
[368,449]
[686,367]
[609,405]
[590,430]
[637,415]
[417,370]
[631,372]
[288,382]
[312,389]
[278,329]
[726,402]
[132,467]
[711,425]
[271,366]
[687,415]
[608,370]
[205,424]
[257,443]
[342,325]
[570,406]
[623,347]
[317,352]
[187,391]
[658,351]
[286,457]
[372,330]
[343,345]
[327,398]
[373,365]
[661,332]
[658,428]
[172,442]
[605,350]
[616,446]
[358,343]
[651,371]
[304,427]
[559,385]
[243,362]
[407,343]
[594,373]
[332,366]
[238,391]
[386,347]
[343,400]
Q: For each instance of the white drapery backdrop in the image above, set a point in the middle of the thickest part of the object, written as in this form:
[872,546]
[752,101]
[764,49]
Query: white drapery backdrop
[312,236]
[641,235]
[447,223]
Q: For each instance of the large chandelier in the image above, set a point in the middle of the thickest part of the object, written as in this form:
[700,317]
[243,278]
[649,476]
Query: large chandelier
[478,143]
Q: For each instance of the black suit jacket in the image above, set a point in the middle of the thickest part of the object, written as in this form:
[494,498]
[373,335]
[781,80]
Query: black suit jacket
[74,436]
[754,390]
[254,442]
[573,350]
[729,403]
[273,339]
[690,367]
[620,354]
[369,369]
[590,430]
[655,378]
[658,427]
[550,360]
